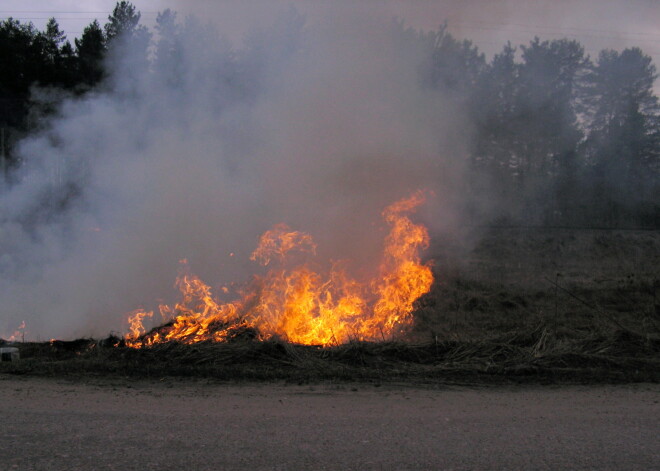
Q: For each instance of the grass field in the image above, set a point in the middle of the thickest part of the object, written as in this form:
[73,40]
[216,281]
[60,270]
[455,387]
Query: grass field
[519,305]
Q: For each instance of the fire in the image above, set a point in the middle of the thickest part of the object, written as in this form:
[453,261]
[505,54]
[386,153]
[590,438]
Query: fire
[297,303]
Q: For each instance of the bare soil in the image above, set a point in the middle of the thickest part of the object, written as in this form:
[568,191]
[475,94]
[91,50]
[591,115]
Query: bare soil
[124,424]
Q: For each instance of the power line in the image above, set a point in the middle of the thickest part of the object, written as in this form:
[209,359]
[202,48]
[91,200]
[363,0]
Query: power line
[588,30]
[450,23]
[574,32]
[58,19]
[481,43]
[71,12]
[619,37]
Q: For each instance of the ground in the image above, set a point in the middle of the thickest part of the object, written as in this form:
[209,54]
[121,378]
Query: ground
[56,424]
[503,279]
[536,349]
[531,305]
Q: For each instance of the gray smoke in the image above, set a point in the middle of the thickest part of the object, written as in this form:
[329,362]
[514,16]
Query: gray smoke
[321,128]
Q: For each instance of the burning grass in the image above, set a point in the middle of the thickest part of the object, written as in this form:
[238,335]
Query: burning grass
[589,325]
[300,304]
[540,354]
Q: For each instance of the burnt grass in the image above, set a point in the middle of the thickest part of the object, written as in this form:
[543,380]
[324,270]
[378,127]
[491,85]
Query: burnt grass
[520,306]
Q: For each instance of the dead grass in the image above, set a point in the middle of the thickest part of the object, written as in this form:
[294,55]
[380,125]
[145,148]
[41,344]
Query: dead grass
[540,354]
[525,307]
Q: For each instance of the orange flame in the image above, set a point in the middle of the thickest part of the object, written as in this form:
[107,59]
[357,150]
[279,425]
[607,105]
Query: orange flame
[299,304]
[135,326]
[278,241]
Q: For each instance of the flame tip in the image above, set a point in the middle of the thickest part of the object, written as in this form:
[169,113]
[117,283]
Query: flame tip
[299,304]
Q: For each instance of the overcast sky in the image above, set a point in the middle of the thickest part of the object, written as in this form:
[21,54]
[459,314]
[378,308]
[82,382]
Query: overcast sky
[597,24]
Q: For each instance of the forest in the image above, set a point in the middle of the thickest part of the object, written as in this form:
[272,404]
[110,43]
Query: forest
[556,137]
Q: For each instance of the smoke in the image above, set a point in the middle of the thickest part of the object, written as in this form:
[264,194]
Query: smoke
[318,125]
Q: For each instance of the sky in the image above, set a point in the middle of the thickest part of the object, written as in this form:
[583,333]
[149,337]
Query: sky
[597,24]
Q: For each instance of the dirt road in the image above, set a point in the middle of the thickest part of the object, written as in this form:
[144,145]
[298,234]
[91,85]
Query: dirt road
[58,425]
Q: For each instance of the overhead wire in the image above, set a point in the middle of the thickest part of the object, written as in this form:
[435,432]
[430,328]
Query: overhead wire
[642,37]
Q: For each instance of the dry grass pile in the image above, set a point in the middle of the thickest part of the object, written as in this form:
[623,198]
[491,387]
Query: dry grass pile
[537,306]
[533,355]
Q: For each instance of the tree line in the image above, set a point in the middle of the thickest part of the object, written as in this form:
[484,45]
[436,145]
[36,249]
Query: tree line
[45,60]
[557,138]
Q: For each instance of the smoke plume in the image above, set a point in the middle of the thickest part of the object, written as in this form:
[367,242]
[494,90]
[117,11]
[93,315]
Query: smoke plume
[317,125]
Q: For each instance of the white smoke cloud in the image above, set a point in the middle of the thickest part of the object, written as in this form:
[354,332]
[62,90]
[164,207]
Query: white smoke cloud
[326,129]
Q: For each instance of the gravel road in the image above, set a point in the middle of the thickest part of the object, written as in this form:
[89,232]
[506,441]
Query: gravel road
[124,425]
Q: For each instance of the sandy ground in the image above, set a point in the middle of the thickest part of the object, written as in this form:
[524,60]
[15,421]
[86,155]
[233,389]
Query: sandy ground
[124,425]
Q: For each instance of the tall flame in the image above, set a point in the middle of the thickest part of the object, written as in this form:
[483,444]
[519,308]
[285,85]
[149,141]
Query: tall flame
[298,304]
